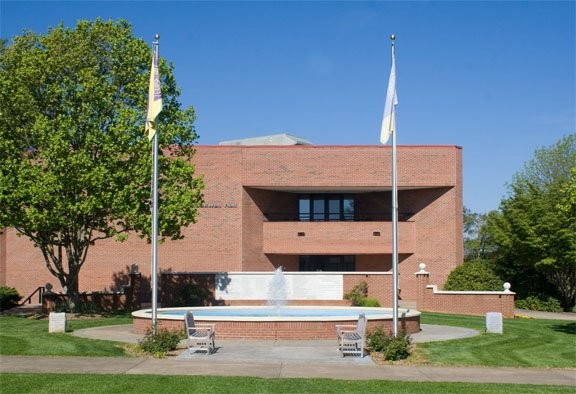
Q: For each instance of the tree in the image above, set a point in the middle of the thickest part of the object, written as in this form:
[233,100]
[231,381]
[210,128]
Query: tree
[567,200]
[535,230]
[477,242]
[75,164]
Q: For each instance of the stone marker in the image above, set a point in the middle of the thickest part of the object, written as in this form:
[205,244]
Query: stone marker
[494,323]
[57,322]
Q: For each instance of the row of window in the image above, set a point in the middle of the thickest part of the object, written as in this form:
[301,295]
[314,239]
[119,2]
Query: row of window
[320,208]
[327,263]
[326,207]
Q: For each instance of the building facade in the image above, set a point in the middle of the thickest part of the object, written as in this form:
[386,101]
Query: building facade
[307,208]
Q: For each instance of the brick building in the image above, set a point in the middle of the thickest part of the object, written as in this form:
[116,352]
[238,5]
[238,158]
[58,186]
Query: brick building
[307,208]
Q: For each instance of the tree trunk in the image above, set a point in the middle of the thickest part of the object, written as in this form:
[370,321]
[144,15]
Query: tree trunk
[564,281]
[55,262]
[73,291]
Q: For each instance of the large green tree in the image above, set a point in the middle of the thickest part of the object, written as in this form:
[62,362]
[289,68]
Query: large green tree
[477,240]
[535,230]
[75,163]
[567,198]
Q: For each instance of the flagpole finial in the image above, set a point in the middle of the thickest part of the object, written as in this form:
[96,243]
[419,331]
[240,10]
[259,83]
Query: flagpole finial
[392,37]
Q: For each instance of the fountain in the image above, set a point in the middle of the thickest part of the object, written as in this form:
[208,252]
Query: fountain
[276,320]
[259,322]
[277,296]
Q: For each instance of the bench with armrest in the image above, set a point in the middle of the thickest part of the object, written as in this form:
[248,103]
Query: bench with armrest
[200,336]
[351,337]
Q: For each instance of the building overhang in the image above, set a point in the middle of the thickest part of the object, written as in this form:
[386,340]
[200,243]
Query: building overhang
[335,189]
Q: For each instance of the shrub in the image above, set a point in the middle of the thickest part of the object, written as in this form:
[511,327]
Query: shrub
[540,303]
[475,275]
[161,343]
[86,308]
[392,348]
[370,302]
[358,294]
[9,297]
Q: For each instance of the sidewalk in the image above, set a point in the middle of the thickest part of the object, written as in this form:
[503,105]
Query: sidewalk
[208,366]
[310,352]
[546,315]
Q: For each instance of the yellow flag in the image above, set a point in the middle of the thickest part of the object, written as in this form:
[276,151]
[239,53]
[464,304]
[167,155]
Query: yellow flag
[154,97]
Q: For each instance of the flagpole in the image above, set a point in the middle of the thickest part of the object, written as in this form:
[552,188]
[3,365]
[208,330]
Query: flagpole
[154,270]
[394,222]
[389,127]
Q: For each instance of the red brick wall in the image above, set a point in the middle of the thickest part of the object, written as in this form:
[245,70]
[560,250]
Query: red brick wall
[286,261]
[275,330]
[25,268]
[349,166]
[243,183]
[2,257]
[464,303]
[379,286]
[374,262]
[335,237]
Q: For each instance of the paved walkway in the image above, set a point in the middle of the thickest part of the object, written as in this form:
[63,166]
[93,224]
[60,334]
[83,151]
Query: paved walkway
[311,352]
[428,333]
[287,359]
[209,366]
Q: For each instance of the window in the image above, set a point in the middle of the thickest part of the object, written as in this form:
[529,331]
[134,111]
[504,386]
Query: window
[318,205]
[348,208]
[326,207]
[327,263]
[304,210]
[334,209]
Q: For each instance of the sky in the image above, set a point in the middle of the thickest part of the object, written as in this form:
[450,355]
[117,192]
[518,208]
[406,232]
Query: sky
[495,77]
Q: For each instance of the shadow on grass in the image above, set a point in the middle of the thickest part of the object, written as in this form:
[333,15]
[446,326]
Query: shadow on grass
[568,328]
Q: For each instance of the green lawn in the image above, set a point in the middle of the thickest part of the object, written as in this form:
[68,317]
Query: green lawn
[28,337]
[525,343]
[70,383]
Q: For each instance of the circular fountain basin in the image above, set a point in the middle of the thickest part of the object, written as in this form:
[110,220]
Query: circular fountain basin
[290,322]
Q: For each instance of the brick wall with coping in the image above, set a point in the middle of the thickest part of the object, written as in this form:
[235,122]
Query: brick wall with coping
[430,299]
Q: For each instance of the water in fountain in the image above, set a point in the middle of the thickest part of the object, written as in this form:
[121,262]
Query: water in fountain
[277,290]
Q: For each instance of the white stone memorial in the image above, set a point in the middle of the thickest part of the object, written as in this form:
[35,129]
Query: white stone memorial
[250,286]
[57,322]
[494,323]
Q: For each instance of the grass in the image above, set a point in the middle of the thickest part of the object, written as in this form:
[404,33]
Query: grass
[525,343]
[29,337]
[531,343]
[72,383]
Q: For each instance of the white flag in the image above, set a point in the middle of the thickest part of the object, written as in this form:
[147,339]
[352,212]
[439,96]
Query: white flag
[389,119]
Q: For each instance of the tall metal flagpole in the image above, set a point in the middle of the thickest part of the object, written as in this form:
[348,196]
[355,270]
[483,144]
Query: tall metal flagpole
[394,237]
[154,270]
[394,211]
[389,127]
[394,215]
